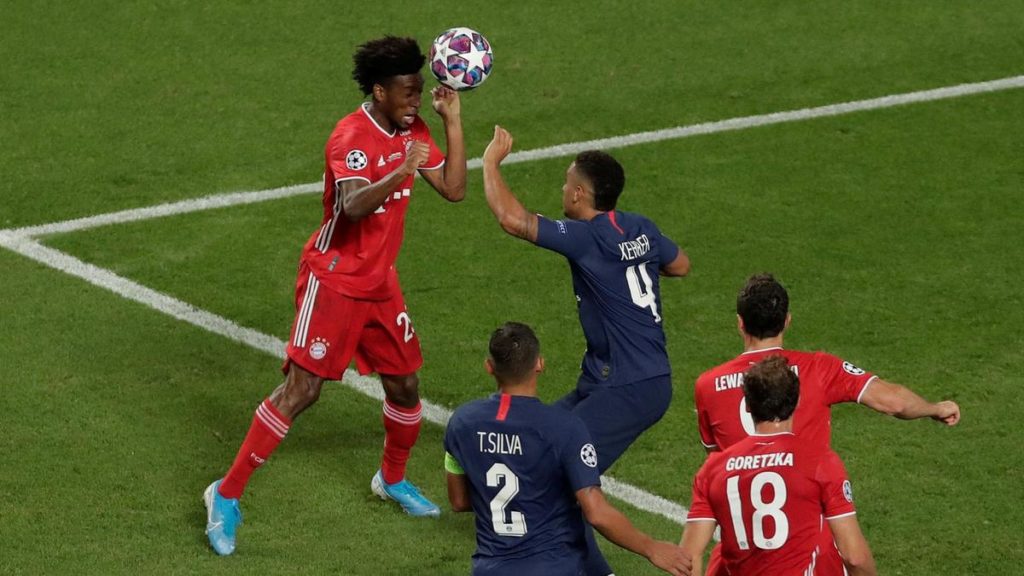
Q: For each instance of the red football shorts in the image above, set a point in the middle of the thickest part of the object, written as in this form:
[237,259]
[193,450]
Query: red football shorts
[331,329]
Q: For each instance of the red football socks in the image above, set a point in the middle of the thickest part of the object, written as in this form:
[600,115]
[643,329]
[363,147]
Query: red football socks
[401,429]
[268,428]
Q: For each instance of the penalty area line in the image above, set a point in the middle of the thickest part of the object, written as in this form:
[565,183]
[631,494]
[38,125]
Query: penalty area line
[131,290]
[568,149]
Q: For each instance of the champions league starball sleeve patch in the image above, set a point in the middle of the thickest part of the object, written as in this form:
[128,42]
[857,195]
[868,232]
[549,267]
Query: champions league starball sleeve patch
[588,454]
[356,160]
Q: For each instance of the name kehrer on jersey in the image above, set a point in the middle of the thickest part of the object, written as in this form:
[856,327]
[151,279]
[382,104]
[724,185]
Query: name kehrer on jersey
[633,249]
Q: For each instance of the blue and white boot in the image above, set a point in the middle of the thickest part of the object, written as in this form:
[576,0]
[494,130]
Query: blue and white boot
[406,494]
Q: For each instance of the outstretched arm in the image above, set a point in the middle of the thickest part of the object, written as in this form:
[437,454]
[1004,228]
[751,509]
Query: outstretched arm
[617,528]
[513,217]
[450,180]
[903,403]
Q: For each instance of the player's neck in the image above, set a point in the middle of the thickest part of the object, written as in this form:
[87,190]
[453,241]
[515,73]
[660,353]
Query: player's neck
[751,344]
[528,388]
[380,117]
[768,428]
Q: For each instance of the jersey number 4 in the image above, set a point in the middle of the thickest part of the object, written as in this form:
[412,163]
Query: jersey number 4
[762,510]
[641,289]
[500,475]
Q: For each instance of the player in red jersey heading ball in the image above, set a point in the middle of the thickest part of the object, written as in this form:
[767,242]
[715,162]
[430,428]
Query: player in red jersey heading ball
[348,300]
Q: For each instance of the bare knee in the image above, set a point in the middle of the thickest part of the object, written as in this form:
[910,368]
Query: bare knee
[402,390]
[300,390]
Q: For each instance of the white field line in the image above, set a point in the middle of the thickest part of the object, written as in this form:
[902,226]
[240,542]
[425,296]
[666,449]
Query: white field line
[235,198]
[210,322]
[21,240]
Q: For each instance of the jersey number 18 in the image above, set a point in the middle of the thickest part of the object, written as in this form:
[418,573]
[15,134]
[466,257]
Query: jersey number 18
[762,510]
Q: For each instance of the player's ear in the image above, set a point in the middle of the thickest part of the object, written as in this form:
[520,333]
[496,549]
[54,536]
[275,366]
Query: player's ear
[739,325]
[378,92]
[789,317]
[540,364]
[489,366]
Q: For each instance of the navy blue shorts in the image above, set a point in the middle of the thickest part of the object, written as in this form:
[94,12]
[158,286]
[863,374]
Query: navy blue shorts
[616,416]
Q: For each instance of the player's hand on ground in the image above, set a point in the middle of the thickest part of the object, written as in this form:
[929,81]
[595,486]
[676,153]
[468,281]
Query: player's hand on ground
[670,558]
[446,102]
[949,413]
[499,147]
[415,156]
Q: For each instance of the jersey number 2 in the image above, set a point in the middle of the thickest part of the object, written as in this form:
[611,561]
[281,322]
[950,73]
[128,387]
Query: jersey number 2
[762,510]
[641,289]
[500,475]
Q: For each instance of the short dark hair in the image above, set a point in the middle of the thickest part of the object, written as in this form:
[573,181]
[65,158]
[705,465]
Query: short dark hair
[377,61]
[772,390]
[763,305]
[605,174]
[514,350]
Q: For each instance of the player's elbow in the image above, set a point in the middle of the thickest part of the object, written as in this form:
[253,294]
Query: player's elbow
[459,505]
[859,561]
[678,267]
[510,224]
[352,211]
[455,193]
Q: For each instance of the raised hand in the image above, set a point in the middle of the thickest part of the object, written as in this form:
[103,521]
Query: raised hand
[446,101]
[500,146]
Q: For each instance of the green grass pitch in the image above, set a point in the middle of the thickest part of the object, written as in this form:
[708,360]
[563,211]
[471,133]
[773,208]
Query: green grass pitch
[897,232]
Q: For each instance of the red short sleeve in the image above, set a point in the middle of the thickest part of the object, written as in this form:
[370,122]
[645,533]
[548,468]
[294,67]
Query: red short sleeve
[349,152]
[700,504]
[843,382]
[836,490]
[707,437]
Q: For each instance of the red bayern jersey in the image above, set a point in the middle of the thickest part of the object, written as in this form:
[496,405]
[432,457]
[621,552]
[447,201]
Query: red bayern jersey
[824,380]
[772,494]
[357,258]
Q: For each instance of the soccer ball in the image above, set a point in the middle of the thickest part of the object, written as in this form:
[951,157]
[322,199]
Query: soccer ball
[461,58]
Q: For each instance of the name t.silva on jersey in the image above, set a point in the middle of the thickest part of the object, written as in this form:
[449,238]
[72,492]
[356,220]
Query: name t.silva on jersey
[498,443]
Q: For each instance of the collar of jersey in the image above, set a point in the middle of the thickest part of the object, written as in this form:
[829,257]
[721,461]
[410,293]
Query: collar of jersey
[761,350]
[365,108]
[772,434]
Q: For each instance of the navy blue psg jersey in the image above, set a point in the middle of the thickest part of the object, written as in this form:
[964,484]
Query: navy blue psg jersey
[524,462]
[615,260]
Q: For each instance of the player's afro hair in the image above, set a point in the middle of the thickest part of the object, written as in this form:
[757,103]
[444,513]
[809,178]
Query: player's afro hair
[377,61]
[763,305]
[772,390]
[513,352]
[606,176]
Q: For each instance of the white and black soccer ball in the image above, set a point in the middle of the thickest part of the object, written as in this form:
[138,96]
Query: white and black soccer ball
[461,58]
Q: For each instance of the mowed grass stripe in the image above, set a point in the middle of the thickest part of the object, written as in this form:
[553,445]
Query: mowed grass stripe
[237,198]
[210,322]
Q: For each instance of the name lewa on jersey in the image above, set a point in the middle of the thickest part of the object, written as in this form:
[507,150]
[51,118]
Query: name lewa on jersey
[633,249]
[498,443]
[731,381]
[760,461]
